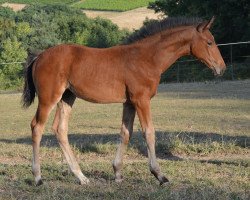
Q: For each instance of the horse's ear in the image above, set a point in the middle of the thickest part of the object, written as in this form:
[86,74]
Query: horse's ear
[209,24]
[205,25]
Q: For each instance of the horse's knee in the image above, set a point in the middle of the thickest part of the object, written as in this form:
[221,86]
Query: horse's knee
[54,129]
[33,123]
[125,135]
[61,135]
[149,135]
[62,140]
[36,133]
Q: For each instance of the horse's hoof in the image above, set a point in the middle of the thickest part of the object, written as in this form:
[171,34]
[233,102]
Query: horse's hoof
[84,181]
[118,180]
[164,180]
[39,182]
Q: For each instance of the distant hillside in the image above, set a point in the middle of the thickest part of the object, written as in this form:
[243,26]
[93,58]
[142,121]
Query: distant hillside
[40,1]
[111,5]
[131,19]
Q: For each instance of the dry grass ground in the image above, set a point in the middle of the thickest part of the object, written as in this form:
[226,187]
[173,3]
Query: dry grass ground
[132,19]
[203,139]
[14,6]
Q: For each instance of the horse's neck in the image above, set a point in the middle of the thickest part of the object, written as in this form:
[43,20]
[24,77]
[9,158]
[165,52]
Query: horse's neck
[168,47]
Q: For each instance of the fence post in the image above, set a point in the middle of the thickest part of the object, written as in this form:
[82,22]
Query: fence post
[231,61]
[178,73]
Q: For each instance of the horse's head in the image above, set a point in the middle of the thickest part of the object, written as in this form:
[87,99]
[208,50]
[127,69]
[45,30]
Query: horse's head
[205,49]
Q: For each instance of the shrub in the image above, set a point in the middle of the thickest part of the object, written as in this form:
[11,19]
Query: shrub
[11,72]
[39,27]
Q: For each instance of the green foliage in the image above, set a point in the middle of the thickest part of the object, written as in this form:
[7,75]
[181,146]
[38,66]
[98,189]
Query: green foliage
[232,24]
[11,53]
[6,28]
[39,27]
[62,24]
[75,29]
[104,34]
[7,12]
[232,17]
[39,1]
[117,5]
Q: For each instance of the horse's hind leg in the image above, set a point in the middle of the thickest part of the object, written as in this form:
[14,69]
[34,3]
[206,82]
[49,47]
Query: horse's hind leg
[126,132]
[60,127]
[37,127]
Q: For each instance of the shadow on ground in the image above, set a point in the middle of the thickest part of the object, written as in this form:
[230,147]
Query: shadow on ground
[164,145]
[244,163]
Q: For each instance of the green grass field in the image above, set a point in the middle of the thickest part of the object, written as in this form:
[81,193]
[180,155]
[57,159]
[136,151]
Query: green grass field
[203,146]
[39,1]
[111,5]
[117,5]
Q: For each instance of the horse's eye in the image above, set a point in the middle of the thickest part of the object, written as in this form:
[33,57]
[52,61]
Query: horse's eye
[209,43]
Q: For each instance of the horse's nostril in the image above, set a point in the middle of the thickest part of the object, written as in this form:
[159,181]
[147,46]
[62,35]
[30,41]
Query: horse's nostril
[223,70]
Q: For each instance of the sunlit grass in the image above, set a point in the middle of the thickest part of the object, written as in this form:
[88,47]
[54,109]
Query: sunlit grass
[203,139]
[39,1]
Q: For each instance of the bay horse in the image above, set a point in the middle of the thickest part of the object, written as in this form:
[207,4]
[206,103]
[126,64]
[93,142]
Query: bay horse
[128,73]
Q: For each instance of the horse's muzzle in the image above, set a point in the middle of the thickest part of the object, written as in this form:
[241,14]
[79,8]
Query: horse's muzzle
[219,71]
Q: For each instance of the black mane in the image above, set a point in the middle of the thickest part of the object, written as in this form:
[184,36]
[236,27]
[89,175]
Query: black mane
[155,26]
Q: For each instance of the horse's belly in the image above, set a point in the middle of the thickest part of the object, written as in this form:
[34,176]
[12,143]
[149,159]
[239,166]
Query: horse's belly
[100,93]
[98,82]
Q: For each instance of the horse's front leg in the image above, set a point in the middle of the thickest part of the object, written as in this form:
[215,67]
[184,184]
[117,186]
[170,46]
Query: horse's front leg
[144,114]
[126,132]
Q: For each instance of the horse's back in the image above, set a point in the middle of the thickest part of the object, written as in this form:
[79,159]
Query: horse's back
[92,74]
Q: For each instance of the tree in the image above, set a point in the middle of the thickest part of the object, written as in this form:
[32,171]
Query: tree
[232,22]
[39,27]
[11,69]
[7,27]
[105,34]
[74,29]
[55,24]
[7,12]
[22,30]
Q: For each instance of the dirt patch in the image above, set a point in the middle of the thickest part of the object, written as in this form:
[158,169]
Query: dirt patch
[13,160]
[14,6]
[132,19]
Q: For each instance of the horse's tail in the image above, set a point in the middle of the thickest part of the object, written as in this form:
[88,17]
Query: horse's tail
[29,91]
